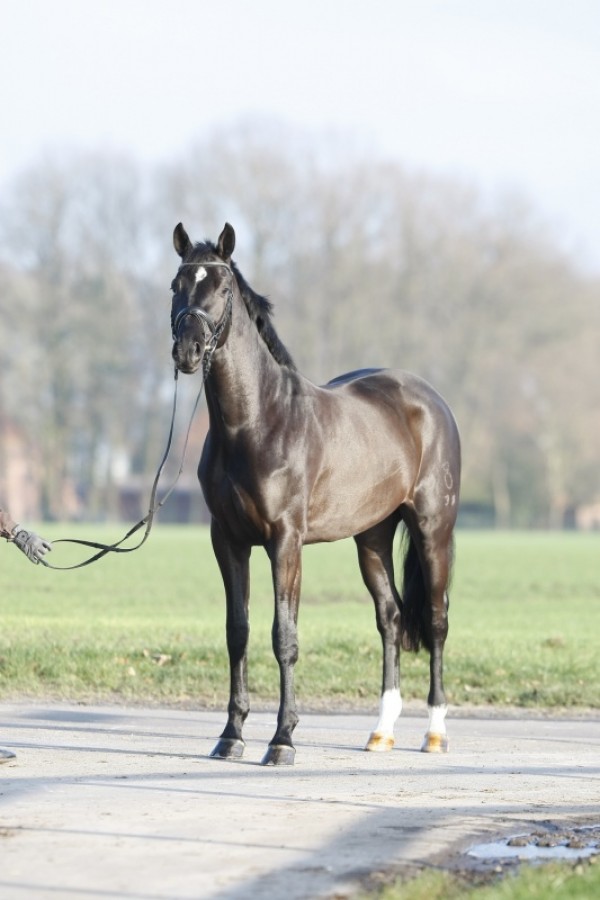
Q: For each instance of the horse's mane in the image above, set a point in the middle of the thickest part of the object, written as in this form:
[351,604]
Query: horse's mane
[260,310]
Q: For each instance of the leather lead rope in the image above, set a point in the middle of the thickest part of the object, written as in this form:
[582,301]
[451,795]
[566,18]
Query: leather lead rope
[148,520]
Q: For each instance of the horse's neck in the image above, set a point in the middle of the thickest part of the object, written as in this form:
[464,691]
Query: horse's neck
[242,377]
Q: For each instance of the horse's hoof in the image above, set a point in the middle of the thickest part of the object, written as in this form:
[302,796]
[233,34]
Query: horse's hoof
[279,755]
[228,748]
[435,743]
[379,742]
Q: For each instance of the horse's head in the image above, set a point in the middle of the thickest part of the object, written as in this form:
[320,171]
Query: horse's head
[202,298]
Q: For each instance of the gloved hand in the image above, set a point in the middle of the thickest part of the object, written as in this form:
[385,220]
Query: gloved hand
[33,546]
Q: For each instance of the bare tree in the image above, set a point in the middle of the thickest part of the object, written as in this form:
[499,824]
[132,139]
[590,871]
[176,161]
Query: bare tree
[366,263]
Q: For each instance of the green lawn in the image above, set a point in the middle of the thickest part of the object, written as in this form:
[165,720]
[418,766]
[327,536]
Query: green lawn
[149,626]
[559,881]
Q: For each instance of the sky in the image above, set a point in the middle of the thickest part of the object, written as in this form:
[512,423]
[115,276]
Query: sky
[504,94]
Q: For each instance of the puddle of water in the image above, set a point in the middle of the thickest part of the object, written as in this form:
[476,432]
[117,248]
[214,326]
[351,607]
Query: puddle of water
[579,843]
[501,850]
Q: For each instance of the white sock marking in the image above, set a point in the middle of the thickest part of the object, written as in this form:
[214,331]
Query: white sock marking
[390,708]
[437,715]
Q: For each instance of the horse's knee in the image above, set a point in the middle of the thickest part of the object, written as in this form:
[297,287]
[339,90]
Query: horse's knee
[237,641]
[285,644]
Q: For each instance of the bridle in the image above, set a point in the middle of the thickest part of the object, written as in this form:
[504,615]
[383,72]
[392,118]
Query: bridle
[212,331]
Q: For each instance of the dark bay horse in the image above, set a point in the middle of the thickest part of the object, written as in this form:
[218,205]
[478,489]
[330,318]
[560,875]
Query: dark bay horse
[287,463]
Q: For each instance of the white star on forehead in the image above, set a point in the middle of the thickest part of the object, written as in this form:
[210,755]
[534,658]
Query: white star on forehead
[200,274]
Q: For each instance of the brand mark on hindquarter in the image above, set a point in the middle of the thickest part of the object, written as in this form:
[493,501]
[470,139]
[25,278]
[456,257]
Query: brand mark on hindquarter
[448,480]
[449,499]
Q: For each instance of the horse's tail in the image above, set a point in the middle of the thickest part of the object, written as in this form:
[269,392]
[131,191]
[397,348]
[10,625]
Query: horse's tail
[415,612]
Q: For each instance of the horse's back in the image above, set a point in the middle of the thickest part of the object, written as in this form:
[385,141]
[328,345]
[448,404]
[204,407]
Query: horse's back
[410,395]
[418,414]
[347,377]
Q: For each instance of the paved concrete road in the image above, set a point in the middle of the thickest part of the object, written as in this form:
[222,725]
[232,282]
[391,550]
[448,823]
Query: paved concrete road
[109,802]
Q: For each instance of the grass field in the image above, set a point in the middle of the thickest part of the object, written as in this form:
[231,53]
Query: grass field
[149,626]
[560,881]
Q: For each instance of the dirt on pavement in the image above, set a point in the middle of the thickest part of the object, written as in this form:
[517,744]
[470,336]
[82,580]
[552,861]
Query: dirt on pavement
[108,801]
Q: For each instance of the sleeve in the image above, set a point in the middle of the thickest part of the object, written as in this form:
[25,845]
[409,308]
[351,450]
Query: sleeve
[6,524]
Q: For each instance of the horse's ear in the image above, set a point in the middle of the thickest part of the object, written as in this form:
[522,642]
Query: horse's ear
[181,241]
[226,242]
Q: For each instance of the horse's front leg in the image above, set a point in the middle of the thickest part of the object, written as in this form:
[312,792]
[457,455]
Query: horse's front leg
[234,563]
[286,564]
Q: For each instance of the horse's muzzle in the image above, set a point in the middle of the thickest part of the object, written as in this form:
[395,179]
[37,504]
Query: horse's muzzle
[187,356]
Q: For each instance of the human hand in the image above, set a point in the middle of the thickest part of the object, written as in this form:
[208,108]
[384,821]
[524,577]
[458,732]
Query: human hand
[31,544]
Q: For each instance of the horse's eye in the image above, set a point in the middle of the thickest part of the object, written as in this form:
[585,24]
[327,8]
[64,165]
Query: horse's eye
[174,285]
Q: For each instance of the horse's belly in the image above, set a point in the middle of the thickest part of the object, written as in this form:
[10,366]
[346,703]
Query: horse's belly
[349,506]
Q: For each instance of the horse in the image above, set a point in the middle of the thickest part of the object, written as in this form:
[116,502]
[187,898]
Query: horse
[287,463]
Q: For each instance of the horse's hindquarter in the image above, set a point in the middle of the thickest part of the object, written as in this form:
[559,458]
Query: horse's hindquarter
[376,431]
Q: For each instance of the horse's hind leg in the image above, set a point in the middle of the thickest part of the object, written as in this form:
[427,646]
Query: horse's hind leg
[436,559]
[234,563]
[376,565]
